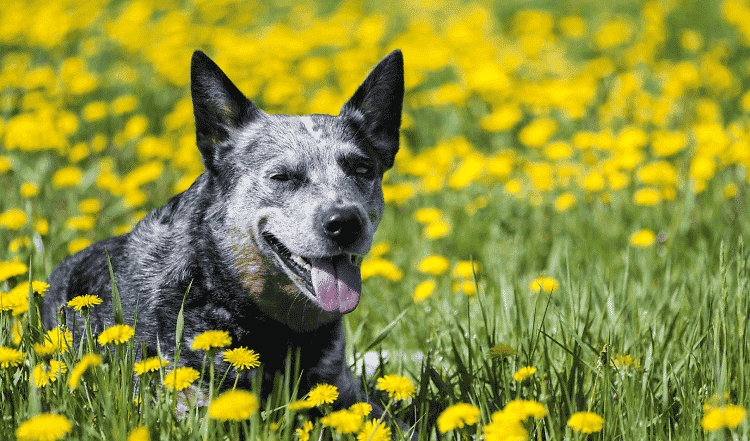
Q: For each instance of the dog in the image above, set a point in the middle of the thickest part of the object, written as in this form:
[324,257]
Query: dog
[267,242]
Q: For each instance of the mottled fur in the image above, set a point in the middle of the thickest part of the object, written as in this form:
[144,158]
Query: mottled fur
[265,175]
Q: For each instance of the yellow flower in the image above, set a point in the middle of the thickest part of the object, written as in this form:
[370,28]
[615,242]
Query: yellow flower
[242,358]
[435,230]
[94,111]
[78,244]
[647,197]
[39,287]
[55,340]
[152,364]
[117,334]
[10,357]
[11,269]
[300,404]
[85,301]
[140,433]
[424,290]
[343,421]
[642,238]
[211,339]
[29,189]
[80,223]
[537,132]
[322,393]
[524,373]
[612,34]
[730,190]
[522,409]
[361,409]
[47,373]
[398,387]
[465,269]
[44,427]
[546,284]
[90,206]
[586,422]
[13,219]
[87,361]
[380,267]
[233,405]
[593,181]
[729,416]
[456,416]
[124,104]
[502,118]
[427,215]
[303,433]
[504,427]
[372,431]
[435,265]
[180,378]
[564,202]
[67,177]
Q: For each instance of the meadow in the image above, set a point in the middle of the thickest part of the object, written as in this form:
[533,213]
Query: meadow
[563,254]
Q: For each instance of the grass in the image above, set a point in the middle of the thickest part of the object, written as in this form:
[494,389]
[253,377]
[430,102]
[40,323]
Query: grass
[96,129]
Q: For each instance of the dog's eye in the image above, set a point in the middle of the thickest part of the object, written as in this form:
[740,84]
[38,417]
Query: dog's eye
[362,170]
[281,177]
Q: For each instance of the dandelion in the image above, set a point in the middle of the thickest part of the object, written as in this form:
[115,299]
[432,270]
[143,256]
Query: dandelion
[343,421]
[456,416]
[546,284]
[427,215]
[44,427]
[729,416]
[78,244]
[646,197]
[242,358]
[39,287]
[55,340]
[564,202]
[29,189]
[524,373]
[89,206]
[361,409]
[322,393]
[380,267]
[211,339]
[180,378]
[465,269]
[642,238]
[522,409]
[10,357]
[303,433]
[152,364]
[504,426]
[11,269]
[424,290]
[67,177]
[436,230]
[88,360]
[45,374]
[118,334]
[586,422]
[85,301]
[300,405]
[13,219]
[435,265]
[373,431]
[140,433]
[398,387]
[233,405]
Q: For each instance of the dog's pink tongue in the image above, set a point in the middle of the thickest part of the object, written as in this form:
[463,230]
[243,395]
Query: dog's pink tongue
[337,283]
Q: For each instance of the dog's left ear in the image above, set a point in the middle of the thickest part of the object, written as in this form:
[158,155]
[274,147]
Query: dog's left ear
[379,100]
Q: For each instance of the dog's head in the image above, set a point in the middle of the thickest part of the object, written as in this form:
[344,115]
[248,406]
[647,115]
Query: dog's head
[303,193]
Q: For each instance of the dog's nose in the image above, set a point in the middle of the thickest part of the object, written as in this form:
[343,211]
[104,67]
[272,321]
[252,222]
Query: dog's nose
[342,225]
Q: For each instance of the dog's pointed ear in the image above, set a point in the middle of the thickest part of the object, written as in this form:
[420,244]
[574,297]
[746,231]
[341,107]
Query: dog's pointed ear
[378,101]
[218,105]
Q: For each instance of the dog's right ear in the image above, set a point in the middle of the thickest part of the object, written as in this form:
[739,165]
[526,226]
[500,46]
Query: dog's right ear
[218,105]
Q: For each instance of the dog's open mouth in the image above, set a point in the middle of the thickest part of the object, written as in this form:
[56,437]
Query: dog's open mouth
[335,282]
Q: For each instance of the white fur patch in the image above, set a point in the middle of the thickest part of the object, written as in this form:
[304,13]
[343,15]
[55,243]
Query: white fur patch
[310,126]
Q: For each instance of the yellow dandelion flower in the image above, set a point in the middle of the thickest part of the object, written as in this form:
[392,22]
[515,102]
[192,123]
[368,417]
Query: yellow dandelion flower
[13,219]
[78,244]
[180,378]
[300,405]
[29,189]
[524,373]
[642,238]
[343,421]
[435,265]
[427,215]
[118,334]
[88,360]
[90,206]
[586,422]
[211,339]
[233,405]
[81,223]
[729,416]
[242,358]
[45,374]
[436,230]
[152,364]
[140,433]
[44,427]
[564,202]
[94,111]
[55,340]
[323,393]
[424,290]
[372,431]
[303,433]
[730,190]
[465,269]
[523,409]
[456,416]
[647,197]
[84,302]
[537,132]
[361,409]
[67,177]
[546,284]
[11,269]
[10,357]
[380,267]
[398,387]
[39,287]
[503,427]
